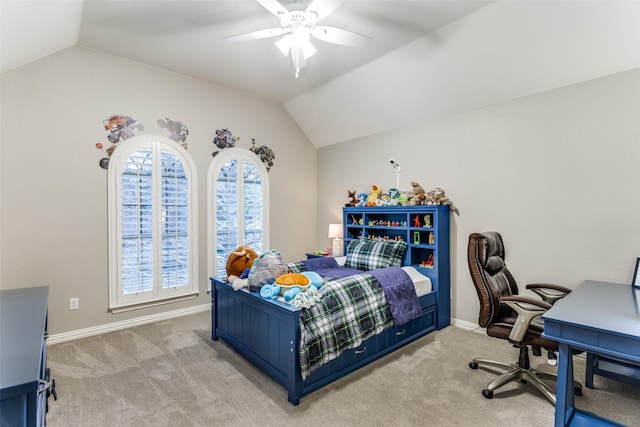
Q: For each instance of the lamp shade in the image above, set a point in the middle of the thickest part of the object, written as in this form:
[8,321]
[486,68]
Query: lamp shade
[335,231]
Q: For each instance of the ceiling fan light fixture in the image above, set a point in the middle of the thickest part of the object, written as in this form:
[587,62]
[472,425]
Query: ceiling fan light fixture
[298,58]
[284,44]
[298,26]
[301,38]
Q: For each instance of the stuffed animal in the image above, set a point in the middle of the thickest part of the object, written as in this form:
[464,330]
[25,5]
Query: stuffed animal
[373,196]
[394,197]
[362,200]
[266,269]
[351,199]
[417,189]
[437,197]
[240,260]
[417,195]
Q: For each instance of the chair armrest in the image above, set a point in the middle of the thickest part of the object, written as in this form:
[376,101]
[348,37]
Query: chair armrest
[549,292]
[527,309]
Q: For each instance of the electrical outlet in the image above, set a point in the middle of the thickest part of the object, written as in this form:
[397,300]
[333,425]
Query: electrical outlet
[74,303]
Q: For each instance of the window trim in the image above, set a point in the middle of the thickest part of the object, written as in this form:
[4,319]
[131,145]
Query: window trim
[119,302]
[240,154]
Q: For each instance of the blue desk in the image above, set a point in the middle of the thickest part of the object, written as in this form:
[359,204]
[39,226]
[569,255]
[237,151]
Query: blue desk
[598,317]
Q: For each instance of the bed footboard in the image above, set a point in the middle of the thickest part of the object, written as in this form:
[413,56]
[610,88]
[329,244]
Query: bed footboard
[267,333]
[264,332]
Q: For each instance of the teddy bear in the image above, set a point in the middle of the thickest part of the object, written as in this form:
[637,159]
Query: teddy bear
[351,199]
[417,195]
[373,196]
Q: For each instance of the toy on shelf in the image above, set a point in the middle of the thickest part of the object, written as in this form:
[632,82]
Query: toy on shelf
[394,197]
[362,200]
[427,221]
[432,239]
[437,197]
[352,200]
[385,238]
[416,221]
[417,195]
[372,198]
[428,263]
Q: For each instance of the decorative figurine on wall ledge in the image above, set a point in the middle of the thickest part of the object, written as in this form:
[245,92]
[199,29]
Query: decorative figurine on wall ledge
[119,127]
[265,153]
[223,139]
[178,131]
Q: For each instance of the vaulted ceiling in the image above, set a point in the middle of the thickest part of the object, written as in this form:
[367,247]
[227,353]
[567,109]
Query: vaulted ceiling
[187,36]
[415,43]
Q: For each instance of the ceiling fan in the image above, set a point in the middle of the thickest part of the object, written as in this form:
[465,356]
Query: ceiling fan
[298,26]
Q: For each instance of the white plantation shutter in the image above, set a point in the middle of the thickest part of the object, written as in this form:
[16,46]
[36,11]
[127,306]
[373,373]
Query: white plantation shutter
[136,219]
[238,206]
[175,222]
[226,212]
[152,226]
[253,207]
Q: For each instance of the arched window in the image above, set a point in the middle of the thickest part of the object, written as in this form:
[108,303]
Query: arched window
[152,223]
[238,210]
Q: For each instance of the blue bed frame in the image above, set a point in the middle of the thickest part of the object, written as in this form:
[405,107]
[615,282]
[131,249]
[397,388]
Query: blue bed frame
[267,333]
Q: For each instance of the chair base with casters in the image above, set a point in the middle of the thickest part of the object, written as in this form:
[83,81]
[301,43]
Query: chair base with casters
[508,316]
[520,371]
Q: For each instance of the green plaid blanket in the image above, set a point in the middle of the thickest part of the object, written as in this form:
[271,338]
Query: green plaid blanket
[351,310]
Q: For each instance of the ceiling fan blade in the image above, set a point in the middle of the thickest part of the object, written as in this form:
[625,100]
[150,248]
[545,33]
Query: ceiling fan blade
[274,7]
[323,8]
[260,34]
[340,36]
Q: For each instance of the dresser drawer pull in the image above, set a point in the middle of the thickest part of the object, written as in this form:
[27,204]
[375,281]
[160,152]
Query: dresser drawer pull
[361,351]
[402,332]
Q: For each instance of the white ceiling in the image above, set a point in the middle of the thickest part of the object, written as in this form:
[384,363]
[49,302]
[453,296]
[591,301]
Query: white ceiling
[427,59]
[187,36]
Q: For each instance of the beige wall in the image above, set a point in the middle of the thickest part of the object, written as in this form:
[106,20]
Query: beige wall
[54,194]
[557,173]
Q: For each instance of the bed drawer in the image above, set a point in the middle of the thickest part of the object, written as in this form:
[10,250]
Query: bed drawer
[398,335]
[418,326]
[357,354]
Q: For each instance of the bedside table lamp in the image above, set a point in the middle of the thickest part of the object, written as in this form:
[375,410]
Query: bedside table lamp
[335,233]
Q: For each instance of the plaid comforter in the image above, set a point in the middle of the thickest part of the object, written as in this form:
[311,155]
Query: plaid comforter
[351,310]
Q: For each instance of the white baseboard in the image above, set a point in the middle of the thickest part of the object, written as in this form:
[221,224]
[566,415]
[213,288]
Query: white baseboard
[124,324]
[463,324]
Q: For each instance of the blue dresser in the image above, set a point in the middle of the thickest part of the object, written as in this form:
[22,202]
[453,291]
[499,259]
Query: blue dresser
[24,382]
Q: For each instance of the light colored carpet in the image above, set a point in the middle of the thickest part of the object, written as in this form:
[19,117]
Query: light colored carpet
[171,373]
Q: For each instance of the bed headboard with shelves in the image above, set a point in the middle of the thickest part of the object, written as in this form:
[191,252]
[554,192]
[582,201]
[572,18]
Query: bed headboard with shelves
[425,229]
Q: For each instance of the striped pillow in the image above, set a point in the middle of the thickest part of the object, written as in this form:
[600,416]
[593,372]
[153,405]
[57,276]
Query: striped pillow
[368,255]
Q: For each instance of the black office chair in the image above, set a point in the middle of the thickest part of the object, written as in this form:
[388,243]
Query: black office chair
[511,317]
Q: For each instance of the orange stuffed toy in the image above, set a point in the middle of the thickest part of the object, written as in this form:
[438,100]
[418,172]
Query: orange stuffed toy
[240,260]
